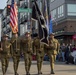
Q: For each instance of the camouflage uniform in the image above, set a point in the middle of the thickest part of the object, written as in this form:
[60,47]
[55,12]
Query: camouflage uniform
[5,54]
[52,51]
[39,49]
[16,52]
[27,52]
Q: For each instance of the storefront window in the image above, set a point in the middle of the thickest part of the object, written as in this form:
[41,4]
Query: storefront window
[71,9]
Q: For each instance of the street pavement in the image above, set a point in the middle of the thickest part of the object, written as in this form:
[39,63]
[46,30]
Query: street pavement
[60,68]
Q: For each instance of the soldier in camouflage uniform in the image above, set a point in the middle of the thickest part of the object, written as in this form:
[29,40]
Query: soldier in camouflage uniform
[27,51]
[15,51]
[5,53]
[39,49]
[52,50]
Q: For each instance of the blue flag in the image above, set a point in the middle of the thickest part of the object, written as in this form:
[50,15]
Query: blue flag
[50,27]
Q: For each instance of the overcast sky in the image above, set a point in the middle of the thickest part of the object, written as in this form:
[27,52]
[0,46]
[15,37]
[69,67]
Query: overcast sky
[2,4]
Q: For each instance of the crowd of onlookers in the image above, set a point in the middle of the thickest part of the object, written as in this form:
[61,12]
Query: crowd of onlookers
[65,53]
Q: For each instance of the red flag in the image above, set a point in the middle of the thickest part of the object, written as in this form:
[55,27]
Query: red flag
[14,17]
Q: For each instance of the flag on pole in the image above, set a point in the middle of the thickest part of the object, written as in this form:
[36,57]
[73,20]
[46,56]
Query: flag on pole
[46,15]
[42,30]
[50,26]
[14,17]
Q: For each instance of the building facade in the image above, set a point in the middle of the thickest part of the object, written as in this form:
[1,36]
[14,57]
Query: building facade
[24,19]
[0,22]
[63,16]
[25,23]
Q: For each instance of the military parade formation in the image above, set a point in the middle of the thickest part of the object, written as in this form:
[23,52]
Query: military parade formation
[39,44]
[37,29]
[27,46]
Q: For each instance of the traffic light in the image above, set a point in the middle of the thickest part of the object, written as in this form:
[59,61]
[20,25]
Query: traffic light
[8,9]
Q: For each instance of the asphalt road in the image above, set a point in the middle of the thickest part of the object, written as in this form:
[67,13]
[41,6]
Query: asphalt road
[60,68]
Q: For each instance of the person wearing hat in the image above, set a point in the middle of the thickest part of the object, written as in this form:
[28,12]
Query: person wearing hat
[5,53]
[52,50]
[27,51]
[39,51]
[15,51]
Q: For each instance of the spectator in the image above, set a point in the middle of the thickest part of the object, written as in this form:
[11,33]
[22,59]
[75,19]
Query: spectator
[74,48]
[63,48]
[67,53]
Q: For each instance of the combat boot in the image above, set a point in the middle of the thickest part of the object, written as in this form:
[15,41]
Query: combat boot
[52,72]
[16,73]
[27,73]
[39,73]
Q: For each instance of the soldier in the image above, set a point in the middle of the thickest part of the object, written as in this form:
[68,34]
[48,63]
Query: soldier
[27,51]
[5,53]
[52,50]
[39,46]
[15,51]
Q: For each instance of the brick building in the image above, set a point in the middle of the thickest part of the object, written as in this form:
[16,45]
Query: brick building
[63,15]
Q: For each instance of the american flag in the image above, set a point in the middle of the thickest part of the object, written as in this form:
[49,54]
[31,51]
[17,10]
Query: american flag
[14,17]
